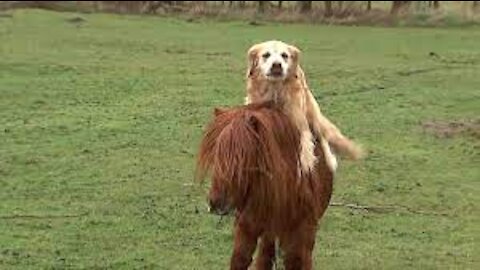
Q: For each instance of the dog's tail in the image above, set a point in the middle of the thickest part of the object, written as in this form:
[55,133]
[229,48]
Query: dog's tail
[346,147]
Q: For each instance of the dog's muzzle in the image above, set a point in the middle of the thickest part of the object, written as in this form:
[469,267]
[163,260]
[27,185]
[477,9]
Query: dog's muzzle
[276,70]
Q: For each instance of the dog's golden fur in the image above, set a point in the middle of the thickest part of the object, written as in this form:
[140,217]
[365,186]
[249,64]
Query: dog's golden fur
[292,93]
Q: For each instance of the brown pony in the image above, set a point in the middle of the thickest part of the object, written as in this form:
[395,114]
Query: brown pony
[252,153]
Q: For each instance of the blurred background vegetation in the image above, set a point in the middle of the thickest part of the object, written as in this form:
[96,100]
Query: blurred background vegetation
[384,13]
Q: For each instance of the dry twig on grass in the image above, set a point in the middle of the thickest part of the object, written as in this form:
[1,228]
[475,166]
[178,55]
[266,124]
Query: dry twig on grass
[386,209]
[42,216]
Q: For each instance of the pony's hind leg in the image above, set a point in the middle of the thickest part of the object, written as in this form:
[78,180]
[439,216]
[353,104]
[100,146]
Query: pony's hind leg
[266,254]
[245,242]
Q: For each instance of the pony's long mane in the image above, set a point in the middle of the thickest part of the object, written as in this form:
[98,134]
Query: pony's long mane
[252,152]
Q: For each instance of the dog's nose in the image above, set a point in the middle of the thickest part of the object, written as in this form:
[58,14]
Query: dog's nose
[276,69]
[276,66]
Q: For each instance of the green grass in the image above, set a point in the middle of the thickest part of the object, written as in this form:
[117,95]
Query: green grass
[100,124]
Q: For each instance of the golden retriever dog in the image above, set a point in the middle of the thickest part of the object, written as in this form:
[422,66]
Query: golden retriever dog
[274,74]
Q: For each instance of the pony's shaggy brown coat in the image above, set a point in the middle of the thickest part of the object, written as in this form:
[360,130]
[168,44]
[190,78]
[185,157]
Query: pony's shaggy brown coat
[252,154]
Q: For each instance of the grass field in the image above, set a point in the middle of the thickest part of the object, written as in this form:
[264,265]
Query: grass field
[100,122]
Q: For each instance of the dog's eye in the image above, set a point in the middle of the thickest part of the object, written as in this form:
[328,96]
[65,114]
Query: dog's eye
[285,56]
[266,55]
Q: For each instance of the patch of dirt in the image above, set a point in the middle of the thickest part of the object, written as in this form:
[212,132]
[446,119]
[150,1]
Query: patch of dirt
[449,129]
[76,20]
[175,51]
[6,15]
[219,53]
[255,23]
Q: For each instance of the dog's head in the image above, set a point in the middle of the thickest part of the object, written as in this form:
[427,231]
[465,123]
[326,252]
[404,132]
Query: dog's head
[273,60]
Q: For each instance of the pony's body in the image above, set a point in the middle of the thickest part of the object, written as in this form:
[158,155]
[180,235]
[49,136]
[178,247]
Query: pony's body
[252,153]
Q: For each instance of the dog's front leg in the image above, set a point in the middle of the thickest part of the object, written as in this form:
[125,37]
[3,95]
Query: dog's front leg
[248,100]
[307,150]
[307,145]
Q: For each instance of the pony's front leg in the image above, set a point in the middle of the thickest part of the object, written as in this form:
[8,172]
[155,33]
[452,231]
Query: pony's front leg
[246,236]
[266,254]
[298,247]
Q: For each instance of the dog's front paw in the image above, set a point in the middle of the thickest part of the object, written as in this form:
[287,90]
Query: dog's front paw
[307,153]
[308,161]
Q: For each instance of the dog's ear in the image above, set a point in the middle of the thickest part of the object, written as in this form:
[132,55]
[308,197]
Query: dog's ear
[295,56]
[252,58]
[294,53]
